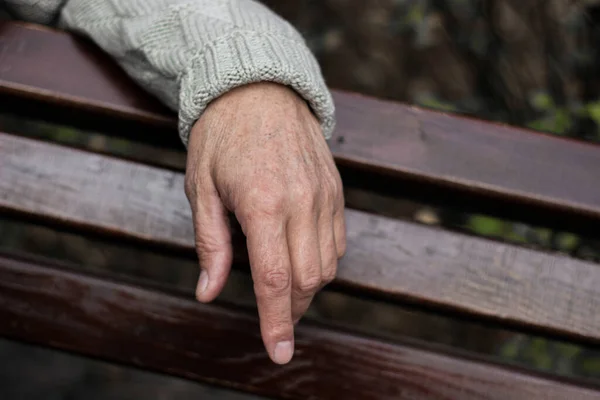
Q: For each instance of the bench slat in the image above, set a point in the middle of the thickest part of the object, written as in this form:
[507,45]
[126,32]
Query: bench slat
[504,166]
[83,76]
[181,337]
[385,257]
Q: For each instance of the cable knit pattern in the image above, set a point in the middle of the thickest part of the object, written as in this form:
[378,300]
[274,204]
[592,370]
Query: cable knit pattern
[189,52]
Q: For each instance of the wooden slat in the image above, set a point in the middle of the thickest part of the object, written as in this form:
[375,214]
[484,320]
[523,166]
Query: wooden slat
[508,171]
[34,45]
[385,257]
[180,337]
[63,72]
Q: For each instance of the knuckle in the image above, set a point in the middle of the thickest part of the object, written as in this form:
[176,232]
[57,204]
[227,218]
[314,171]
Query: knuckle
[266,202]
[335,185]
[196,186]
[278,329]
[275,282]
[330,191]
[330,266]
[303,192]
[333,180]
[330,177]
[330,257]
[308,285]
[305,200]
[328,200]
[207,243]
[207,248]
[330,274]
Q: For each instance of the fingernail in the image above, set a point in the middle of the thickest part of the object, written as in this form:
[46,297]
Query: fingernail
[283,352]
[202,283]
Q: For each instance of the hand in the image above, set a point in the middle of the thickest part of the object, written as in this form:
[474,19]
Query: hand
[258,152]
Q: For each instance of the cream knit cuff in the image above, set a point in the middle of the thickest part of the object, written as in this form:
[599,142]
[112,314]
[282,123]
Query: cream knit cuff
[242,57]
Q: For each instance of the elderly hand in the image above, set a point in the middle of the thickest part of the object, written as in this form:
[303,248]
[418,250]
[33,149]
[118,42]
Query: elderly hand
[258,152]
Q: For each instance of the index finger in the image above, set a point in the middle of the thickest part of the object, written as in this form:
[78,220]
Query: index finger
[272,276]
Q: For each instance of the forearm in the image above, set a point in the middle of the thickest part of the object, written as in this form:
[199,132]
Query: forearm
[189,52]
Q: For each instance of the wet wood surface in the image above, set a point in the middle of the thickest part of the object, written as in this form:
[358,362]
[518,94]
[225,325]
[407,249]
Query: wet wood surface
[386,257]
[495,168]
[180,337]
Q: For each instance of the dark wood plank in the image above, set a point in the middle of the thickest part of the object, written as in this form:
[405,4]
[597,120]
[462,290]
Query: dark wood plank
[447,159]
[464,159]
[45,74]
[37,46]
[180,337]
[385,257]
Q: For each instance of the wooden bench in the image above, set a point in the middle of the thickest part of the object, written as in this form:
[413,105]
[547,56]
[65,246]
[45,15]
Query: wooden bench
[380,147]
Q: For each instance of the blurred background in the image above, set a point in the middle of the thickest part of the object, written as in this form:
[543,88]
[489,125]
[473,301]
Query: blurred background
[529,63]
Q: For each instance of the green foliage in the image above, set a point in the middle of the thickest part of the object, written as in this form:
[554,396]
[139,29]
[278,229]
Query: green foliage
[567,350]
[67,134]
[515,237]
[486,226]
[593,111]
[591,366]
[547,355]
[538,354]
[558,121]
[568,241]
[510,350]
[542,101]
[415,14]
[120,145]
[436,104]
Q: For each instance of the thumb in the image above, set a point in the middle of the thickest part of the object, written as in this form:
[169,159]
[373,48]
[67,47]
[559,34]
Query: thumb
[213,243]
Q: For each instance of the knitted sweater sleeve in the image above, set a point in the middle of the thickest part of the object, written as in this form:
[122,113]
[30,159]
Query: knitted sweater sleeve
[189,52]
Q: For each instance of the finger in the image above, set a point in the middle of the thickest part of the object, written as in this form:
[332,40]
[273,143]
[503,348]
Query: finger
[339,232]
[329,255]
[213,243]
[305,256]
[339,220]
[271,272]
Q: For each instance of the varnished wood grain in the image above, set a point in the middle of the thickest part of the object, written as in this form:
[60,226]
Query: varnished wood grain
[46,74]
[207,343]
[25,48]
[469,158]
[440,158]
[385,257]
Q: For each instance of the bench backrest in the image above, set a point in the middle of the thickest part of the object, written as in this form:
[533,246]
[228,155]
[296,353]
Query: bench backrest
[380,147]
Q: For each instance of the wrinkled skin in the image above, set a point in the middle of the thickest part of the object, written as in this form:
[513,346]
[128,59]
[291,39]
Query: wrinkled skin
[258,152]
